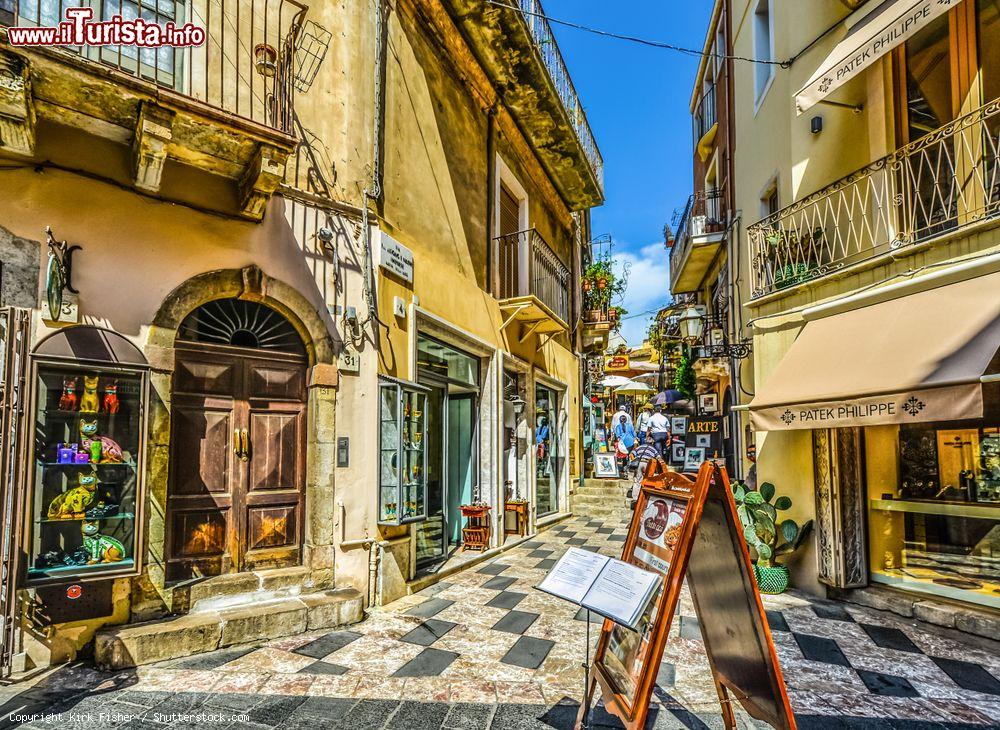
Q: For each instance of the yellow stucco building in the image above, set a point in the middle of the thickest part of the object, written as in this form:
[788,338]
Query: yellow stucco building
[326,292]
[864,262]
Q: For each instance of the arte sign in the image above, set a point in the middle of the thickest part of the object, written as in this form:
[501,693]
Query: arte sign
[870,38]
[396,258]
[613,363]
[932,404]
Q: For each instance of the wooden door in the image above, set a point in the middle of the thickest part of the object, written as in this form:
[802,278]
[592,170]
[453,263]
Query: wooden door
[237,461]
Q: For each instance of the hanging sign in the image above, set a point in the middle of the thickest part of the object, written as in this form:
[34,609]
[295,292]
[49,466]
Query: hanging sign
[396,258]
[689,530]
[616,363]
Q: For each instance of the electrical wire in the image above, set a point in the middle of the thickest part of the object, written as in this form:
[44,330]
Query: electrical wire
[640,41]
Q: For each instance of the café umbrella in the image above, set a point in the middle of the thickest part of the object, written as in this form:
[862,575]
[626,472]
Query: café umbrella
[633,388]
[613,381]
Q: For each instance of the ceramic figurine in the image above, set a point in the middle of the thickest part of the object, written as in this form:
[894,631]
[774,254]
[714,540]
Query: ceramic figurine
[81,457]
[67,402]
[66,453]
[101,548]
[74,502]
[88,401]
[88,433]
[103,449]
[111,404]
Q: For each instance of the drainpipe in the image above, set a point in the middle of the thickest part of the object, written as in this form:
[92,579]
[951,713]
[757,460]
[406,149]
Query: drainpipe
[374,556]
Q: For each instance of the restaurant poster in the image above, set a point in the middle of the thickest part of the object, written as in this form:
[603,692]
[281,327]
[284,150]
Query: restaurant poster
[659,530]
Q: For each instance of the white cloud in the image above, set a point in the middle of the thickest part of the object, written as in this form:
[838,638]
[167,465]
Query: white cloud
[648,287]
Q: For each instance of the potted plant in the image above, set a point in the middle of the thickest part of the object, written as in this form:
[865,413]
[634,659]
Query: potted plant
[768,537]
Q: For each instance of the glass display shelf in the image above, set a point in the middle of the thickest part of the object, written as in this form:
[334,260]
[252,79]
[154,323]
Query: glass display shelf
[121,516]
[126,564]
[982,510]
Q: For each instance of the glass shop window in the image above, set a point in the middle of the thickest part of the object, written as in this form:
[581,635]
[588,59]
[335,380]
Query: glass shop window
[87,456]
[937,528]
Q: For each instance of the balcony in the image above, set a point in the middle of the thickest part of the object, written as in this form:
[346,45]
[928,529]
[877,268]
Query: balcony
[534,285]
[705,124]
[940,184]
[516,47]
[700,235]
[149,117]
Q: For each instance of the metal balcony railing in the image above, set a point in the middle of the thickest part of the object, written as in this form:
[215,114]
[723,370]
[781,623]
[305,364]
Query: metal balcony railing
[529,267]
[548,50]
[704,213]
[245,67]
[946,180]
[705,114]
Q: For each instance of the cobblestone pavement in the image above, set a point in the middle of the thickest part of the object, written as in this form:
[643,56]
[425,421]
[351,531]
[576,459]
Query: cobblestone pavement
[484,649]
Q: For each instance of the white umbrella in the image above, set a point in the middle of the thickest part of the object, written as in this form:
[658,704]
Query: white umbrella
[633,388]
[613,381]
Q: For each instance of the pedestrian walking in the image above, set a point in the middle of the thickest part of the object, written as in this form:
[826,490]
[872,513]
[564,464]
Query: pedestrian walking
[659,428]
[642,423]
[624,441]
[641,457]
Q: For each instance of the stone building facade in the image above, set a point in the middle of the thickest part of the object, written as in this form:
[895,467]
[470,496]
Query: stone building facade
[321,203]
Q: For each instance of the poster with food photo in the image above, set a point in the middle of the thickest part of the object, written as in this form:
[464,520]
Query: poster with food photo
[659,529]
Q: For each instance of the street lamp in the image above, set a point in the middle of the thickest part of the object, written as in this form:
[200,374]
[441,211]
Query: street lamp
[692,324]
[518,403]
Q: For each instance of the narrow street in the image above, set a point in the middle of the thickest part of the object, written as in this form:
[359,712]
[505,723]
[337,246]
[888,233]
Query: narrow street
[484,649]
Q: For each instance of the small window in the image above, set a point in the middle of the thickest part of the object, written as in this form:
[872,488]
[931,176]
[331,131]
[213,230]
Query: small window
[763,47]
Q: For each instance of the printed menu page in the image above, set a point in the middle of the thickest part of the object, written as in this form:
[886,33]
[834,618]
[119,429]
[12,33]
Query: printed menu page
[573,575]
[621,592]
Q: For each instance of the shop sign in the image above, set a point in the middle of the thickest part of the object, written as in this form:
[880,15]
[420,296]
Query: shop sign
[933,404]
[396,258]
[614,363]
[704,432]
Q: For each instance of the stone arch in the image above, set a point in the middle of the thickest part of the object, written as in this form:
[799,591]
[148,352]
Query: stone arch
[152,597]
[248,283]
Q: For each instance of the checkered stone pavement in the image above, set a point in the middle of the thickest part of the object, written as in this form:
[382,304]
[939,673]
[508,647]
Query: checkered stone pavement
[485,649]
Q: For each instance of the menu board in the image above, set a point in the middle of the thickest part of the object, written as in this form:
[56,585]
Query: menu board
[683,528]
[659,529]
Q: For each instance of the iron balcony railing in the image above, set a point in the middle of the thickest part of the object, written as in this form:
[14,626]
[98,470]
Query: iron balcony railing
[705,115]
[548,50]
[245,66]
[946,180]
[529,267]
[704,213]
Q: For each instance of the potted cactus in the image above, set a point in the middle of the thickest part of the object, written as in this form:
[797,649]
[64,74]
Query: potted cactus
[766,535]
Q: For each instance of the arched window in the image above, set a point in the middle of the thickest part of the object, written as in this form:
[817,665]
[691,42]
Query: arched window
[241,323]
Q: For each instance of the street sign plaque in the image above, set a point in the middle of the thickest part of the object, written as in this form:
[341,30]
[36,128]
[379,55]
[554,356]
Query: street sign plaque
[683,528]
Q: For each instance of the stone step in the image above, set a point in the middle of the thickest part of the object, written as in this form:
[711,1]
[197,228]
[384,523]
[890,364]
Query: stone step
[599,500]
[121,647]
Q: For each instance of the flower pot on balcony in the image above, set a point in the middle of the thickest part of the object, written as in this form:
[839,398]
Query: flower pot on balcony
[593,316]
[613,315]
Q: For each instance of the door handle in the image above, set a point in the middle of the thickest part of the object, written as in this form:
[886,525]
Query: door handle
[244,445]
[236,444]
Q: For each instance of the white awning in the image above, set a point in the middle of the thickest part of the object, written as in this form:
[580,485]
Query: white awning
[919,358]
[873,30]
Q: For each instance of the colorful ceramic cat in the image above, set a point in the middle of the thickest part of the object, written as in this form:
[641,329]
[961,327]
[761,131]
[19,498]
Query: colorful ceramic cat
[73,503]
[89,402]
[111,404]
[101,548]
[110,451]
[67,401]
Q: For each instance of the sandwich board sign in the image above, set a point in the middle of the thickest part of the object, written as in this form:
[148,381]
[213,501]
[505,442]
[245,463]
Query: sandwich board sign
[690,529]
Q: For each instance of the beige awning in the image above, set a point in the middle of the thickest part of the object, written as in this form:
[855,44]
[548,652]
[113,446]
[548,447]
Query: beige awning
[916,358]
[873,30]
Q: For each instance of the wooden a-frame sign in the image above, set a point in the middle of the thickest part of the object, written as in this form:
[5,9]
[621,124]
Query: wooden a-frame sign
[691,529]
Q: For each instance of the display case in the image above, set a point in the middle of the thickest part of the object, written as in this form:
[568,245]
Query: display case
[85,498]
[402,452]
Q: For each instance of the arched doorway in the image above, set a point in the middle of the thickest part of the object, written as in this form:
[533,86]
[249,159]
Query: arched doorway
[238,441]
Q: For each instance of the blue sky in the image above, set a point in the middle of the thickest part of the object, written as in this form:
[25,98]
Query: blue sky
[636,99]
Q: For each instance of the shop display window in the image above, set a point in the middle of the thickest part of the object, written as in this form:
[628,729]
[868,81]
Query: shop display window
[402,453]
[936,529]
[85,500]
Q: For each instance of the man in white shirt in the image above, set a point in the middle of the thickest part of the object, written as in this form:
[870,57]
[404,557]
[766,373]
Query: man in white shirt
[659,429]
